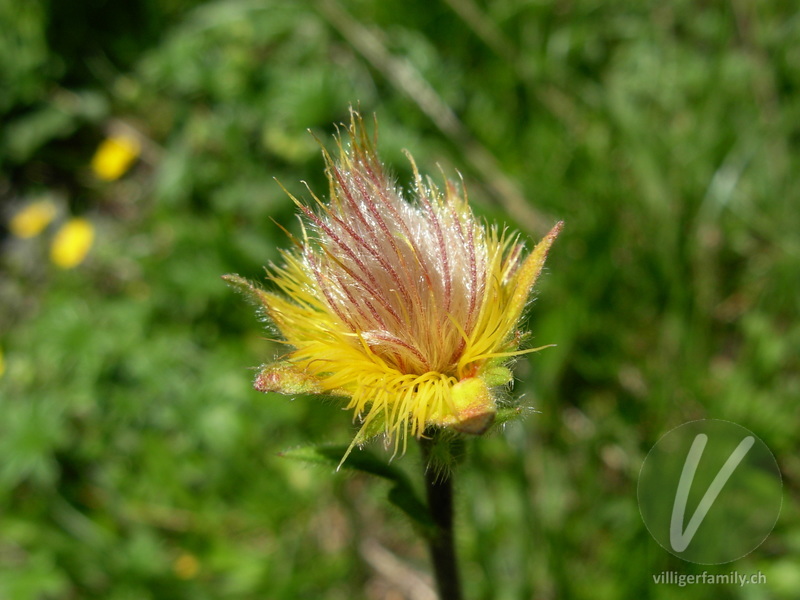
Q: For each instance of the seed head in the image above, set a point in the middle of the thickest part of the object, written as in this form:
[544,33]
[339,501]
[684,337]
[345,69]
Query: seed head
[406,309]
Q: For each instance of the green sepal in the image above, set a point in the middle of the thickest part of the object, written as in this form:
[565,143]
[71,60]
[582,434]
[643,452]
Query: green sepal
[496,376]
[508,414]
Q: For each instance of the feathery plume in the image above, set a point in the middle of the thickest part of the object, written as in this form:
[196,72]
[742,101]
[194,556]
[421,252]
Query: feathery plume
[407,310]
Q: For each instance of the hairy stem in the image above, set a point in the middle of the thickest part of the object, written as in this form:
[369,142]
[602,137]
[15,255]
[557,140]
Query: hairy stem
[439,489]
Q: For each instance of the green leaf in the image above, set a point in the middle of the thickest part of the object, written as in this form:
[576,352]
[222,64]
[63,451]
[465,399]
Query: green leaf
[25,135]
[401,494]
[372,429]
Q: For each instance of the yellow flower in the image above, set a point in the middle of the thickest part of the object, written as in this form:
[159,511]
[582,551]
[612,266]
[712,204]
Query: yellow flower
[32,220]
[408,310]
[71,243]
[186,566]
[114,157]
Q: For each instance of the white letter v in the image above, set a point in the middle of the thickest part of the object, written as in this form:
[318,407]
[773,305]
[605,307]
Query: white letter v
[678,539]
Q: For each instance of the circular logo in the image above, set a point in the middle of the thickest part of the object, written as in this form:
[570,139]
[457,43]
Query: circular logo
[710,491]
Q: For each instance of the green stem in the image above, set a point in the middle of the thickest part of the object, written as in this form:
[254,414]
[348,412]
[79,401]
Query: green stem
[439,488]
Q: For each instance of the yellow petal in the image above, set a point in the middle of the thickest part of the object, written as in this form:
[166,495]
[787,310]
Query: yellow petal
[32,220]
[186,566]
[71,243]
[528,273]
[114,157]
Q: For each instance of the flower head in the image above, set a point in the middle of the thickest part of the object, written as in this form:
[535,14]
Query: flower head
[407,309]
[33,219]
[72,243]
[114,156]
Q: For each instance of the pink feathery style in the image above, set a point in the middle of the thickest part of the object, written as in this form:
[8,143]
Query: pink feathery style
[406,309]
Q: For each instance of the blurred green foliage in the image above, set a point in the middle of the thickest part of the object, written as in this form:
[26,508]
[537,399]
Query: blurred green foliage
[135,460]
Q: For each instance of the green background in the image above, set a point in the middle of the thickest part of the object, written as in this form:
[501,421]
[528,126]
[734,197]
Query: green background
[665,135]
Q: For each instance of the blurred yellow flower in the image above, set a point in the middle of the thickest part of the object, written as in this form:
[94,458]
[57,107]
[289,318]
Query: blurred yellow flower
[114,157]
[71,243]
[407,309]
[31,220]
[186,566]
